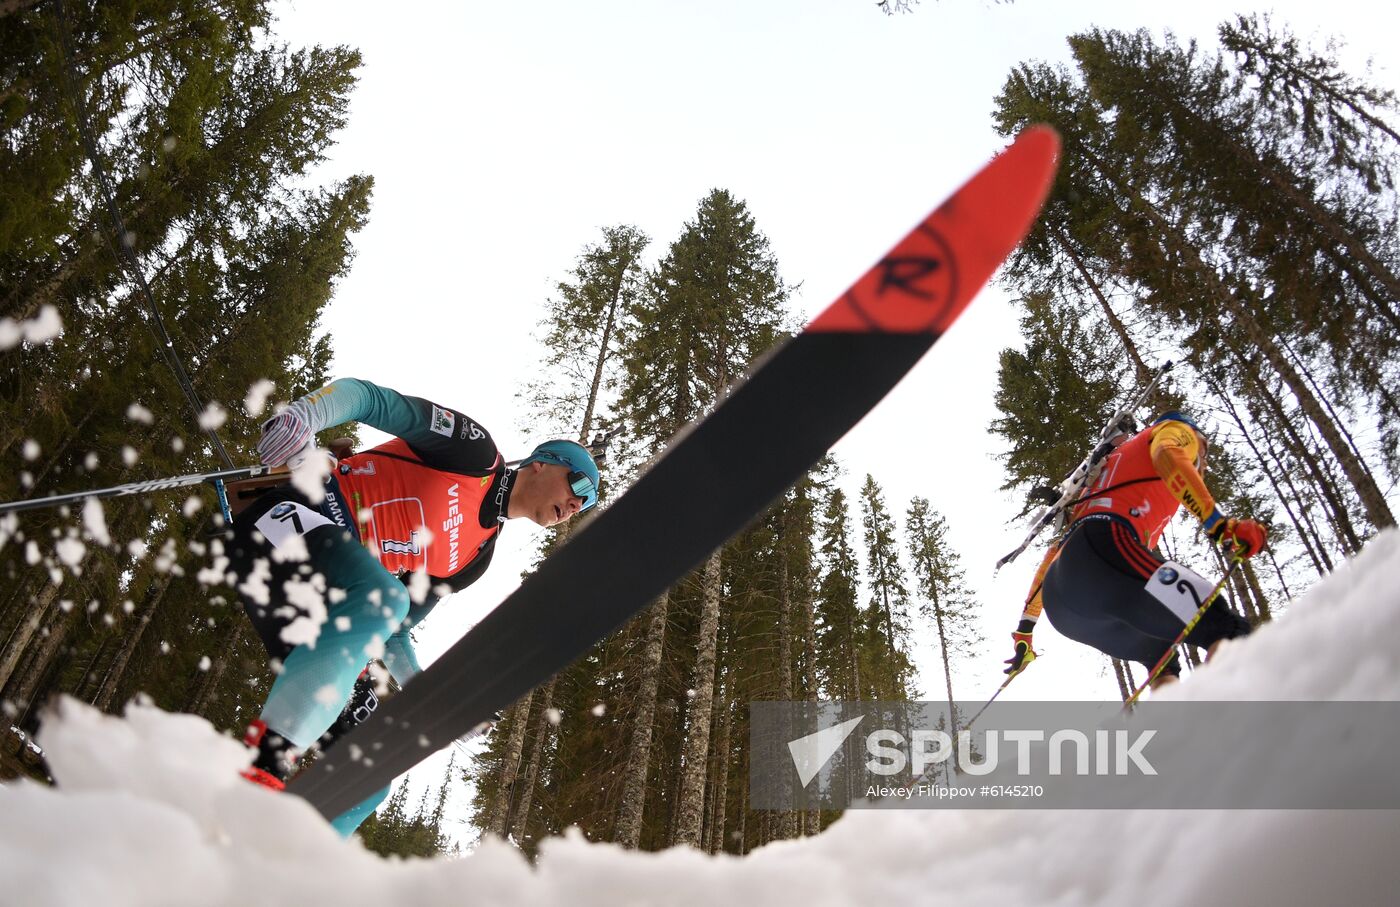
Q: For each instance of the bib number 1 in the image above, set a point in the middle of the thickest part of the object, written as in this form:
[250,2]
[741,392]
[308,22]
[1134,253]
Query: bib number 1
[288,519]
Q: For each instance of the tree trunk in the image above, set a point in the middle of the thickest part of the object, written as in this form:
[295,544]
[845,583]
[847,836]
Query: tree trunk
[787,819]
[1268,473]
[811,822]
[854,655]
[19,606]
[674,754]
[742,832]
[1144,374]
[697,741]
[1120,671]
[150,601]
[721,774]
[707,832]
[1307,530]
[27,683]
[25,631]
[1283,583]
[629,819]
[1335,510]
[947,667]
[1327,403]
[1261,603]
[510,766]
[543,728]
[603,348]
[212,680]
[1246,601]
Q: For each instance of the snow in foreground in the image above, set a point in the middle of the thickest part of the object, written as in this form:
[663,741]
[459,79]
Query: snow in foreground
[150,811]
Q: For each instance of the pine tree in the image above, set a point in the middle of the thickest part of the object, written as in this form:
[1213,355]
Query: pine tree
[947,600]
[394,832]
[581,336]
[839,618]
[888,613]
[713,304]
[1055,394]
[1233,212]
[1329,109]
[205,129]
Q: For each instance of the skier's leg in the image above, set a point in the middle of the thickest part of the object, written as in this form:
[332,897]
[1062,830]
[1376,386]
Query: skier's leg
[1099,589]
[1118,547]
[259,576]
[318,676]
[352,818]
[1126,566]
[363,701]
[1111,637]
[1218,623]
[1093,600]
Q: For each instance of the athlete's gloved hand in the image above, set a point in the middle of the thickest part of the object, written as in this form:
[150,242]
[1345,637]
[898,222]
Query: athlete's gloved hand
[285,437]
[1024,653]
[342,448]
[1245,536]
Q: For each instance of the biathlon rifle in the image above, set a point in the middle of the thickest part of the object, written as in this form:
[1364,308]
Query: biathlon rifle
[1087,470]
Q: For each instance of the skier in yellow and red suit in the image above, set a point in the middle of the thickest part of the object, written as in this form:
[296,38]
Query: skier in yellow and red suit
[1093,582]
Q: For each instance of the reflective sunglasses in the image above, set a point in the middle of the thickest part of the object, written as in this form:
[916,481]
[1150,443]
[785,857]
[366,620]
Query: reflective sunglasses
[582,486]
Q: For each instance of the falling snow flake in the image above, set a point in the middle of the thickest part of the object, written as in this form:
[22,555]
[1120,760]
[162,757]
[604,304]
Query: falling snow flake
[40,329]
[95,522]
[256,400]
[213,417]
[138,413]
[70,552]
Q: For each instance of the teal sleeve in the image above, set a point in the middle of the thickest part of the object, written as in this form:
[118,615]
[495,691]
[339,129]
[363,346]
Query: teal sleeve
[442,438]
[399,656]
[355,400]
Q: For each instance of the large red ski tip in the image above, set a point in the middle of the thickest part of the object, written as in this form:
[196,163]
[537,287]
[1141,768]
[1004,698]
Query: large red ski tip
[925,282]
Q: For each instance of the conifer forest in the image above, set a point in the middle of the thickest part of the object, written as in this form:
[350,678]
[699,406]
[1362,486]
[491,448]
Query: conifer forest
[169,248]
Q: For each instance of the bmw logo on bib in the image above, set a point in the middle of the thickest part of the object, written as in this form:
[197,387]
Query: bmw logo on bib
[1167,576]
[281,510]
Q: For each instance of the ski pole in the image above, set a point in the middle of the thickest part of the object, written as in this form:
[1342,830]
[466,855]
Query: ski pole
[233,475]
[1004,684]
[1181,637]
[973,720]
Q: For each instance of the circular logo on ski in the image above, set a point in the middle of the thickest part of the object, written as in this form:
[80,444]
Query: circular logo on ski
[913,288]
[1166,576]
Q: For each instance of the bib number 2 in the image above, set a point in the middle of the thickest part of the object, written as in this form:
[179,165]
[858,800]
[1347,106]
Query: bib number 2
[1180,588]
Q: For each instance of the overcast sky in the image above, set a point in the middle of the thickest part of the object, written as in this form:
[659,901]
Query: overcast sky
[503,136]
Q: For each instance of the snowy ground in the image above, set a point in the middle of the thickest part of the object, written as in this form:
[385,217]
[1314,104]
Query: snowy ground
[149,811]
